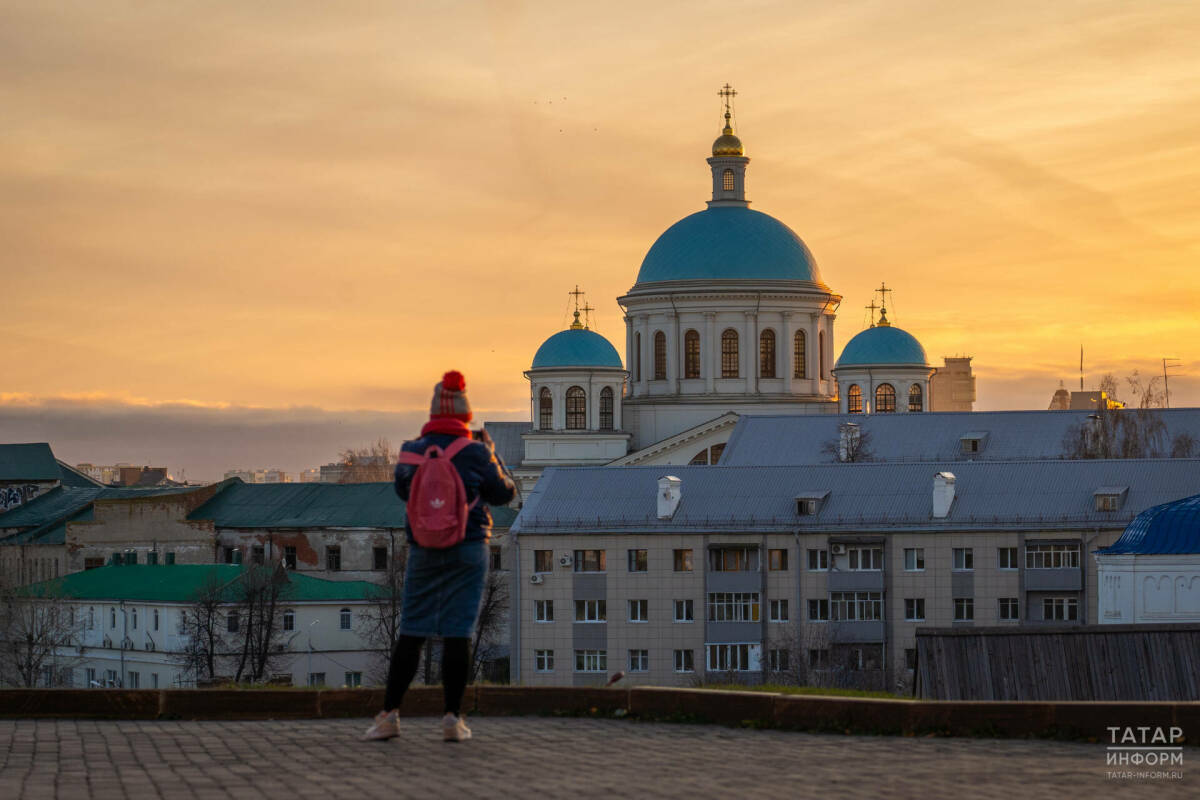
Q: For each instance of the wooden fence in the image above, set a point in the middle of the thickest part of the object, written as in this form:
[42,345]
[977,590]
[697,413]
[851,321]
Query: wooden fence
[1092,662]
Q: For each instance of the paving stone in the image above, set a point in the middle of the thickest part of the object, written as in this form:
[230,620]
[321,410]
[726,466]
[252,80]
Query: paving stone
[544,757]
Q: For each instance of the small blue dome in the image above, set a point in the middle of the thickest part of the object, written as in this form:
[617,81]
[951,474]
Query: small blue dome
[728,243]
[1170,528]
[883,344]
[577,347]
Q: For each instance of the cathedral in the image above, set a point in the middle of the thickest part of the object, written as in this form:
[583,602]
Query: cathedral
[729,315]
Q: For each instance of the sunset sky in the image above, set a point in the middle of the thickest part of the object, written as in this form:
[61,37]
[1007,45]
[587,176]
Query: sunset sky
[285,220]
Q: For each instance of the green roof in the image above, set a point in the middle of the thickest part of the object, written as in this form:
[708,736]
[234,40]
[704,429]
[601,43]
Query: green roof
[179,583]
[313,505]
[63,503]
[28,462]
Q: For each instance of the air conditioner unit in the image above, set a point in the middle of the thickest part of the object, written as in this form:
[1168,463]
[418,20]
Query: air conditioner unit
[565,561]
[837,549]
[536,578]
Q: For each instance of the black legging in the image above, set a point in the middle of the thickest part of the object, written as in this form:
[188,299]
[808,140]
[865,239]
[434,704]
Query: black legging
[407,655]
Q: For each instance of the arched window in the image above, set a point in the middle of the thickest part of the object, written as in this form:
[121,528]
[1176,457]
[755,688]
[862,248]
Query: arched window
[134,619]
[576,409]
[729,353]
[885,399]
[799,356]
[289,620]
[821,353]
[691,355]
[727,180]
[112,618]
[700,459]
[344,619]
[91,625]
[715,452]
[637,357]
[854,399]
[660,356]
[916,400]
[766,354]
[606,408]
[545,410]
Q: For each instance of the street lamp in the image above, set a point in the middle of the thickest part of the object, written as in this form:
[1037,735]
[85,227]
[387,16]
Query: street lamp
[310,672]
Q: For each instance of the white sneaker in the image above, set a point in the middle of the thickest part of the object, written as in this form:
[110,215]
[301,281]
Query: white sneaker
[454,729]
[386,726]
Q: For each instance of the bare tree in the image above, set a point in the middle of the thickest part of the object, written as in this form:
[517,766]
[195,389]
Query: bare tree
[852,444]
[201,629]
[1149,394]
[371,464]
[1108,385]
[493,618]
[260,644]
[379,625]
[1184,445]
[37,624]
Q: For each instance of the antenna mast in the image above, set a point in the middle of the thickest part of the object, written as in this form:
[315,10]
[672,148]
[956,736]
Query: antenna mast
[1166,366]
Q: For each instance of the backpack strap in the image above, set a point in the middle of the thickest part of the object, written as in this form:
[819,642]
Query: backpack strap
[457,446]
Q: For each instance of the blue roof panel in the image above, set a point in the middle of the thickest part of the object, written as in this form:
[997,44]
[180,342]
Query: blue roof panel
[883,344]
[576,347]
[730,243]
[1164,529]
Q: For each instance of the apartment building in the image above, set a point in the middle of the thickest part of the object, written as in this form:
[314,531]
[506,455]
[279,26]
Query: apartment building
[822,570]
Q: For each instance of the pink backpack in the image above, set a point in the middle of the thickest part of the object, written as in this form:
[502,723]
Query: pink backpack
[437,499]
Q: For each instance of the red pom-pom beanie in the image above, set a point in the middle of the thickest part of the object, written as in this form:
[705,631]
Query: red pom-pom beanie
[450,398]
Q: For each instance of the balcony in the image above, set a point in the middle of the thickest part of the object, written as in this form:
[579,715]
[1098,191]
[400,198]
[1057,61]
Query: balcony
[856,581]
[1053,580]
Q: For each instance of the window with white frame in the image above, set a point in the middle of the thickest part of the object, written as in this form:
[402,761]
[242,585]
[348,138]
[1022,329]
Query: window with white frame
[133,680]
[914,609]
[856,606]
[964,609]
[1009,609]
[818,610]
[133,616]
[543,660]
[591,611]
[779,611]
[543,611]
[344,619]
[639,610]
[591,660]
[353,679]
[1006,557]
[818,560]
[865,559]
[89,676]
[684,611]
[1051,556]
[728,657]
[777,660]
[1060,609]
[156,619]
[231,621]
[639,660]
[963,558]
[685,661]
[733,607]
[638,561]
[289,620]
[914,559]
[589,561]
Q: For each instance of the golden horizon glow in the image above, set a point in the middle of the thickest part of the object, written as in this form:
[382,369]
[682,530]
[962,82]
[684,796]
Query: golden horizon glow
[279,205]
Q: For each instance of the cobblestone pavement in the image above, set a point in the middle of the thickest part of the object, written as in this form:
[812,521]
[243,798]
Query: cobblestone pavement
[540,757]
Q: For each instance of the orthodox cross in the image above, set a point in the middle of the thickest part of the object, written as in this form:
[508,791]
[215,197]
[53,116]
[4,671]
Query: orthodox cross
[587,310]
[728,93]
[577,294]
[872,308]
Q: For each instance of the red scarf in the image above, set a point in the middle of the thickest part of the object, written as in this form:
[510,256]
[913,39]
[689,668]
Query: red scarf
[451,427]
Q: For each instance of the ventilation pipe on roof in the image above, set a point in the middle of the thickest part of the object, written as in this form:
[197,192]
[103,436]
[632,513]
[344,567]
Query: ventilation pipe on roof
[943,494]
[670,491]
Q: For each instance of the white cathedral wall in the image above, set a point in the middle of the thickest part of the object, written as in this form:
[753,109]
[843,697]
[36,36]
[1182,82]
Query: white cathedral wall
[868,378]
[1148,588]
[652,422]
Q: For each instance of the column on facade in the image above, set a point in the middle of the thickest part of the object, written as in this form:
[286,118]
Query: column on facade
[559,410]
[645,347]
[749,354]
[789,360]
[709,361]
[629,351]
[618,424]
[811,365]
[673,359]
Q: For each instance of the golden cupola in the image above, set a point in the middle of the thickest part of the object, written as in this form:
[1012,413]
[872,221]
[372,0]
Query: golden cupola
[727,144]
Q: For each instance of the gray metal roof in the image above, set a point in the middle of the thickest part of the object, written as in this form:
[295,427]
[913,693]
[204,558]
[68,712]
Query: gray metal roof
[1010,435]
[28,462]
[882,496]
[507,438]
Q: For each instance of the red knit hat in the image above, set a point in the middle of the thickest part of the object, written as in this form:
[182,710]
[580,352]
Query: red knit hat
[450,398]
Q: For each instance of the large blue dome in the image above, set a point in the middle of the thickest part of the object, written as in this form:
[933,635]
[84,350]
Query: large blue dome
[883,344]
[1170,528]
[730,243]
[576,347]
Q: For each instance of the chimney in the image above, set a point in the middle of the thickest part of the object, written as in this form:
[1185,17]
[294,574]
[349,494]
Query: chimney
[669,494]
[943,494]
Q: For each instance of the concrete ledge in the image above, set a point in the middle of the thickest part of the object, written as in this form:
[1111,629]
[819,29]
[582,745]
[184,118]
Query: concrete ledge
[707,705]
[548,699]
[795,712]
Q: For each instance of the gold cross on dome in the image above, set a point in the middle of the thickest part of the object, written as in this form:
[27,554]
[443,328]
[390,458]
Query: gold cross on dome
[577,294]
[872,308]
[728,93]
[587,310]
